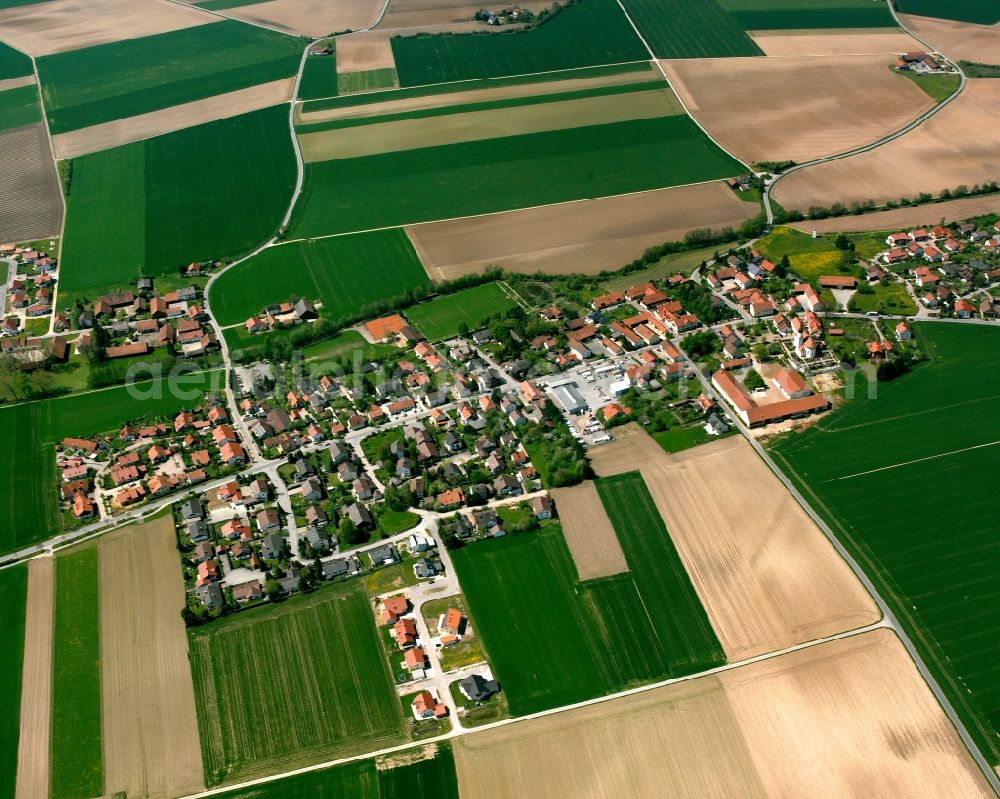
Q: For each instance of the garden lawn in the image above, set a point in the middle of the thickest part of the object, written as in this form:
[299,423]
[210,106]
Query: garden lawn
[792,14]
[553,640]
[13,63]
[906,480]
[982,12]
[888,298]
[13,595]
[29,508]
[434,777]
[397,521]
[440,318]
[592,32]
[19,107]
[153,206]
[291,684]
[348,274]
[505,173]
[134,76]
[690,29]
[76,765]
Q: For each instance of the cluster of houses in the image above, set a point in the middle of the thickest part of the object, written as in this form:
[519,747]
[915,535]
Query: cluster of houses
[31,289]
[76,465]
[283,314]
[796,398]
[397,614]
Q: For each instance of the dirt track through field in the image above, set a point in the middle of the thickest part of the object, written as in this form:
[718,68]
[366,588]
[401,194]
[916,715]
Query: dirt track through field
[764,572]
[905,218]
[36,685]
[958,145]
[360,52]
[411,134]
[585,237]
[167,120]
[848,718]
[30,204]
[449,99]
[57,26]
[958,40]
[588,531]
[796,108]
[844,42]
[151,744]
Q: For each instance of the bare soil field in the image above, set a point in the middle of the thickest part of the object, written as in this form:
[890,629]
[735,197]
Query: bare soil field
[585,236]
[846,718]
[31,199]
[410,134]
[314,18]
[167,120]
[958,40]
[960,144]
[16,83]
[439,15]
[56,26]
[589,534]
[905,218]
[151,745]
[842,42]
[766,575]
[360,52]
[472,96]
[795,108]
[36,690]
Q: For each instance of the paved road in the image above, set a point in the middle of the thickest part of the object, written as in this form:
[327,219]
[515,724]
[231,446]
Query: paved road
[889,619]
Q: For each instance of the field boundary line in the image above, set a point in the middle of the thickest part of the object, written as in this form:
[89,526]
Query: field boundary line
[506,289]
[916,460]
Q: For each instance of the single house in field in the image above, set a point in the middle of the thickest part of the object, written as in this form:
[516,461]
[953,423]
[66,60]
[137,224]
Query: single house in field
[451,622]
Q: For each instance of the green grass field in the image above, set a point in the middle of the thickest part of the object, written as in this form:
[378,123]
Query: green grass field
[937,87]
[553,640]
[13,63]
[13,594]
[346,273]
[590,33]
[440,318]
[906,480]
[204,192]
[29,502]
[887,298]
[367,81]
[505,173]
[434,777]
[982,12]
[123,79]
[690,29]
[319,77]
[76,754]
[292,684]
[19,107]
[791,14]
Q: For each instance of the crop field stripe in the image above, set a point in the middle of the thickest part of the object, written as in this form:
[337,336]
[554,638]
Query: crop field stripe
[76,754]
[13,596]
[690,29]
[13,63]
[808,14]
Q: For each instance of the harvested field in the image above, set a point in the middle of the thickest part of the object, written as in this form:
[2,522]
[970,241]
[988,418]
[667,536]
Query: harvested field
[315,18]
[167,120]
[765,573]
[903,218]
[795,108]
[588,531]
[958,40]
[36,690]
[17,83]
[31,202]
[360,52]
[958,145]
[449,99]
[846,718]
[437,14]
[837,42]
[412,134]
[147,693]
[585,236]
[58,26]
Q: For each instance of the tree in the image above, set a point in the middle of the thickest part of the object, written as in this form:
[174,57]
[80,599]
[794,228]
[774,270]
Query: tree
[842,242]
[99,339]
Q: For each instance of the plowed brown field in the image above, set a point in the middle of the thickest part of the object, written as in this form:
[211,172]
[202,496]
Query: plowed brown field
[905,218]
[586,236]
[314,18]
[796,108]
[842,719]
[845,42]
[960,144]
[31,198]
[958,40]
[360,52]
[766,575]
[150,730]
[588,531]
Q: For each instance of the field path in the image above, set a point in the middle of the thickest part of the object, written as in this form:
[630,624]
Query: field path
[36,691]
